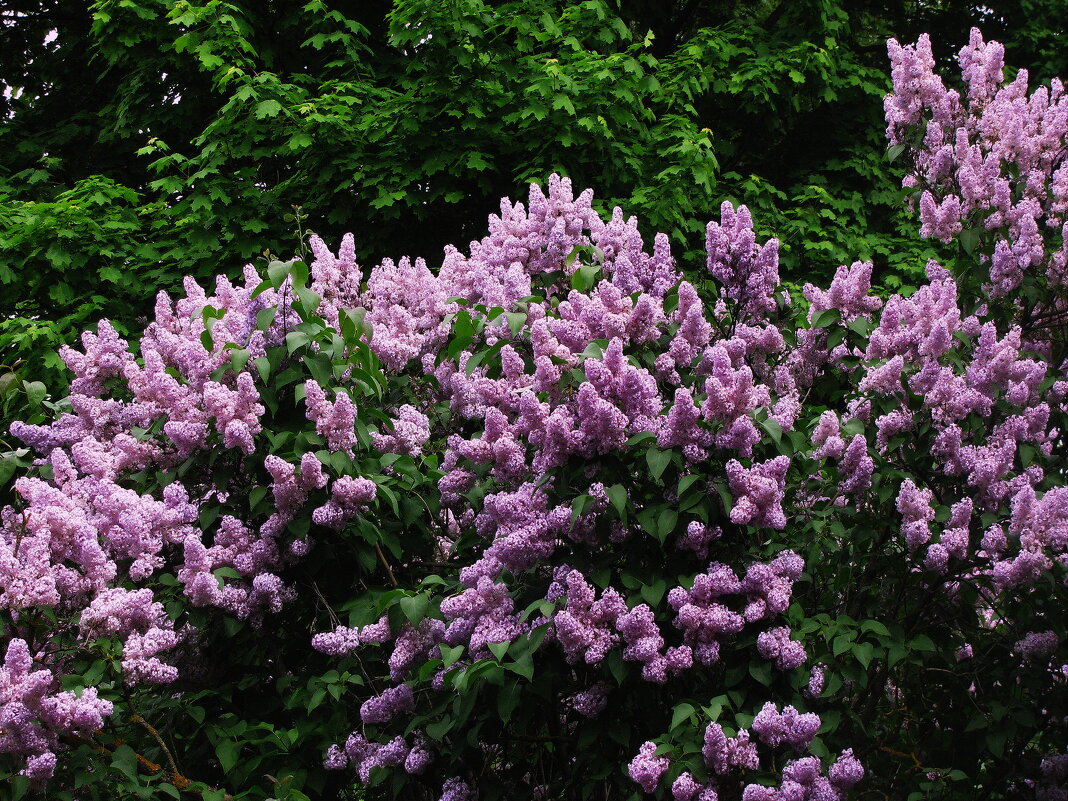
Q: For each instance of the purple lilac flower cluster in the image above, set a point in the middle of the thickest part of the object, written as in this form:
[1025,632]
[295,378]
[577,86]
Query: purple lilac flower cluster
[992,158]
[800,780]
[34,712]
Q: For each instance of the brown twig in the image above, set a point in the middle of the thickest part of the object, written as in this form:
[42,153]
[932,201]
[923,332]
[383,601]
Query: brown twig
[144,762]
[385,564]
[902,754]
[177,779]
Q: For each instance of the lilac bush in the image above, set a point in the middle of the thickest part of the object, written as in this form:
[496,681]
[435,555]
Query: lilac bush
[560,514]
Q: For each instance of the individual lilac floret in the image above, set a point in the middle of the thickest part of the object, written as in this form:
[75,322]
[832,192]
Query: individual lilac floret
[646,768]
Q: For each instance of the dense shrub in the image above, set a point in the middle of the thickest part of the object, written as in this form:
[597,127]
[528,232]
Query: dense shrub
[557,517]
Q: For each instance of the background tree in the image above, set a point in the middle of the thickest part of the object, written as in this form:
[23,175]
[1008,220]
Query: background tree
[143,140]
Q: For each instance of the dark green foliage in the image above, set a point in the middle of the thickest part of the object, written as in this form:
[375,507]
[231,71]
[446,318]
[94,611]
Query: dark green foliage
[144,139]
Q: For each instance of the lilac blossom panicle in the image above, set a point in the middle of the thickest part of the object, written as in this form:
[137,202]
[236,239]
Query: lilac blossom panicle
[992,159]
[335,422]
[646,768]
[817,680]
[748,273]
[790,727]
[758,492]
[776,645]
[411,430]
[914,504]
[456,790]
[592,702]
[387,704]
[1037,644]
[34,715]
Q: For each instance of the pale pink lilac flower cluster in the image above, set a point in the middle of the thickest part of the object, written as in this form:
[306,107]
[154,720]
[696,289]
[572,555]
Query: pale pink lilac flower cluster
[687,788]
[1037,644]
[748,273]
[34,713]
[619,399]
[992,159]
[365,756]
[706,621]
[592,702]
[345,640]
[85,538]
[388,704]
[722,753]
[776,645]
[585,629]
[348,497]
[801,779]
[411,430]
[335,422]
[758,492]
